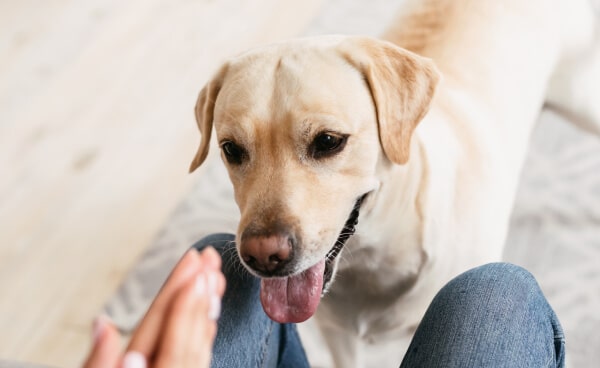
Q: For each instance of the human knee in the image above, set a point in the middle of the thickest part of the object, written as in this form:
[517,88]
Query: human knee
[499,281]
[503,272]
[498,304]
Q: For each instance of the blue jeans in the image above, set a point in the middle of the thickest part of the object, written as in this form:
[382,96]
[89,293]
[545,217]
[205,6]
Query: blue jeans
[491,316]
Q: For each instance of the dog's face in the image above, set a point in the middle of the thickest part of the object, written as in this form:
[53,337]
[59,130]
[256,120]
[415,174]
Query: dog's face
[302,127]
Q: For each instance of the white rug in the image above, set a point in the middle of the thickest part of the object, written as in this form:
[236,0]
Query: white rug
[555,228]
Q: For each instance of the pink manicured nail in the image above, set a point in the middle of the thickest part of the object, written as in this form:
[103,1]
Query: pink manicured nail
[212,282]
[133,359]
[200,284]
[214,308]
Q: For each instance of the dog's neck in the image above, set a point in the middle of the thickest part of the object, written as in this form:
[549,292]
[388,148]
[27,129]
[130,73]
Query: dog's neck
[391,221]
[405,221]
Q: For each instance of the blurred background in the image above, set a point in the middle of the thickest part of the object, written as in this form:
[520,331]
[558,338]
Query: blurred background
[97,132]
[96,135]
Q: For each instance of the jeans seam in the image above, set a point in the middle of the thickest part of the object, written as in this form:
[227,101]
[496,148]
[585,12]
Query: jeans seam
[550,362]
[266,345]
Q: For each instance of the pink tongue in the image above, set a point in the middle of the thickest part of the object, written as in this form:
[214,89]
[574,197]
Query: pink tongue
[294,298]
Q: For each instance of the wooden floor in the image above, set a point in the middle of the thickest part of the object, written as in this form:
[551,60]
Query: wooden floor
[96,134]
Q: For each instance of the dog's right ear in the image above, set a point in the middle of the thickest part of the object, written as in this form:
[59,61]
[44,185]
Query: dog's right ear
[205,106]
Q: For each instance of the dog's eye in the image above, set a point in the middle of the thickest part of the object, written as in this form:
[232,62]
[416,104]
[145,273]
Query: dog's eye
[327,144]
[233,153]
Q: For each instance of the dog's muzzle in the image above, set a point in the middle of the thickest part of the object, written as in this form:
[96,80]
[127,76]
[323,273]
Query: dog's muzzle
[295,298]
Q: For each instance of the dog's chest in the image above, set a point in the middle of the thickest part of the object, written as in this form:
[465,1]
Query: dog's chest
[367,293]
[363,311]
[377,275]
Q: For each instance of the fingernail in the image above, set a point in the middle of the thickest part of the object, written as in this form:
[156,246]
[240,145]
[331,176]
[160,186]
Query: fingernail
[200,284]
[214,308]
[212,283]
[99,326]
[133,359]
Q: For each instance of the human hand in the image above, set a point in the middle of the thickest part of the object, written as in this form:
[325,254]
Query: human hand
[180,326]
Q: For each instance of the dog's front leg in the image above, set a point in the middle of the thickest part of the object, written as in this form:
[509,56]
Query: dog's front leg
[342,345]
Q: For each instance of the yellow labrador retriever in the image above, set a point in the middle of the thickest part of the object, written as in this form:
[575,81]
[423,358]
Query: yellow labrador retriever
[323,133]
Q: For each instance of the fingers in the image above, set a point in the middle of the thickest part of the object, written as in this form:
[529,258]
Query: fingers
[106,350]
[191,327]
[211,259]
[179,328]
[203,332]
[146,335]
[161,322]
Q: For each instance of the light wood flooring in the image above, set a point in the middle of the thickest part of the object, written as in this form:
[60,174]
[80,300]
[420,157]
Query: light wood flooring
[96,134]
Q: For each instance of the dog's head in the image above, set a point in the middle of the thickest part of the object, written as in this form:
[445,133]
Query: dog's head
[302,127]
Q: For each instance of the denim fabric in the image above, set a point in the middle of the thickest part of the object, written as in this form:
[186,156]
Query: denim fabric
[246,337]
[491,316]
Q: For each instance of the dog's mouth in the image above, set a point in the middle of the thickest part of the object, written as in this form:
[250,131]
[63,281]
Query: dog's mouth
[295,298]
[345,234]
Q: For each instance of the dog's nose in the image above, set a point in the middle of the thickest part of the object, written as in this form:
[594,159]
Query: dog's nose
[266,254]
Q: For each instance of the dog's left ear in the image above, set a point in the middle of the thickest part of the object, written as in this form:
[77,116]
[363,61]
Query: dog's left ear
[205,106]
[402,85]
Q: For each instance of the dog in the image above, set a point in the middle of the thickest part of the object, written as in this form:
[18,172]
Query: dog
[369,172]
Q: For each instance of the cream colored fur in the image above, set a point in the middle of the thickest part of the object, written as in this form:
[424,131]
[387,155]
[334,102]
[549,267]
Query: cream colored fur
[441,192]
